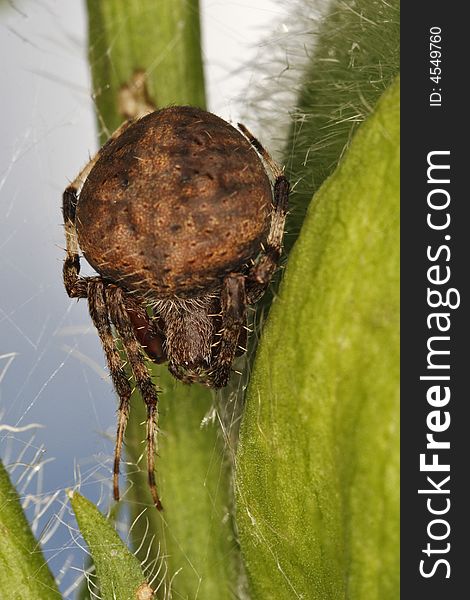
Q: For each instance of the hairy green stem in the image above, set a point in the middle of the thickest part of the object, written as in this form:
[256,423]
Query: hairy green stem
[161,40]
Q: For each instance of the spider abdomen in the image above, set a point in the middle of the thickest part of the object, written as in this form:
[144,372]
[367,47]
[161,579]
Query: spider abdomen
[176,202]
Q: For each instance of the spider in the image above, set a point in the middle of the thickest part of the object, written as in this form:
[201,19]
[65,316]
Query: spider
[182,224]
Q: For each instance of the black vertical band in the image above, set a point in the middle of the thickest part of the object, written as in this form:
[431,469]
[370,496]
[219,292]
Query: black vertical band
[435,253]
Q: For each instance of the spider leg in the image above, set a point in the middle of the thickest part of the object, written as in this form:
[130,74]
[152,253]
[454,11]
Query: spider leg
[258,146]
[233,305]
[262,271]
[94,289]
[146,331]
[99,315]
[75,285]
[117,309]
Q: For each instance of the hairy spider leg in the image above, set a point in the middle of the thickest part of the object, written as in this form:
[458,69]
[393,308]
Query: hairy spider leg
[233,312]
[95,289]
[75,285]
[258,146]
[239,290]
[99,314]
[260,274]
[146,330]
[116,300]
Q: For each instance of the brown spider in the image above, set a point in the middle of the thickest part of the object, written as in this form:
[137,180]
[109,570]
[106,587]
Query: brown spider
[181,222]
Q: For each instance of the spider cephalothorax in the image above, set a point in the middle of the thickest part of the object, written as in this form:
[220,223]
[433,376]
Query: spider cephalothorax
[181,222]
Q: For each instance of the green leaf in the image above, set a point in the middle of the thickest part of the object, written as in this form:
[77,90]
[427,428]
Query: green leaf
[118,571]
[24,574]
[318,459]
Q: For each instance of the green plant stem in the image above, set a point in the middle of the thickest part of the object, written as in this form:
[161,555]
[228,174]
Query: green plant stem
[194,530]
[159,37]
[194,533]
[355,58]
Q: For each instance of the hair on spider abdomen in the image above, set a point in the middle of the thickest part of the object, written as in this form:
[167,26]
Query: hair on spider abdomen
[179,218]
